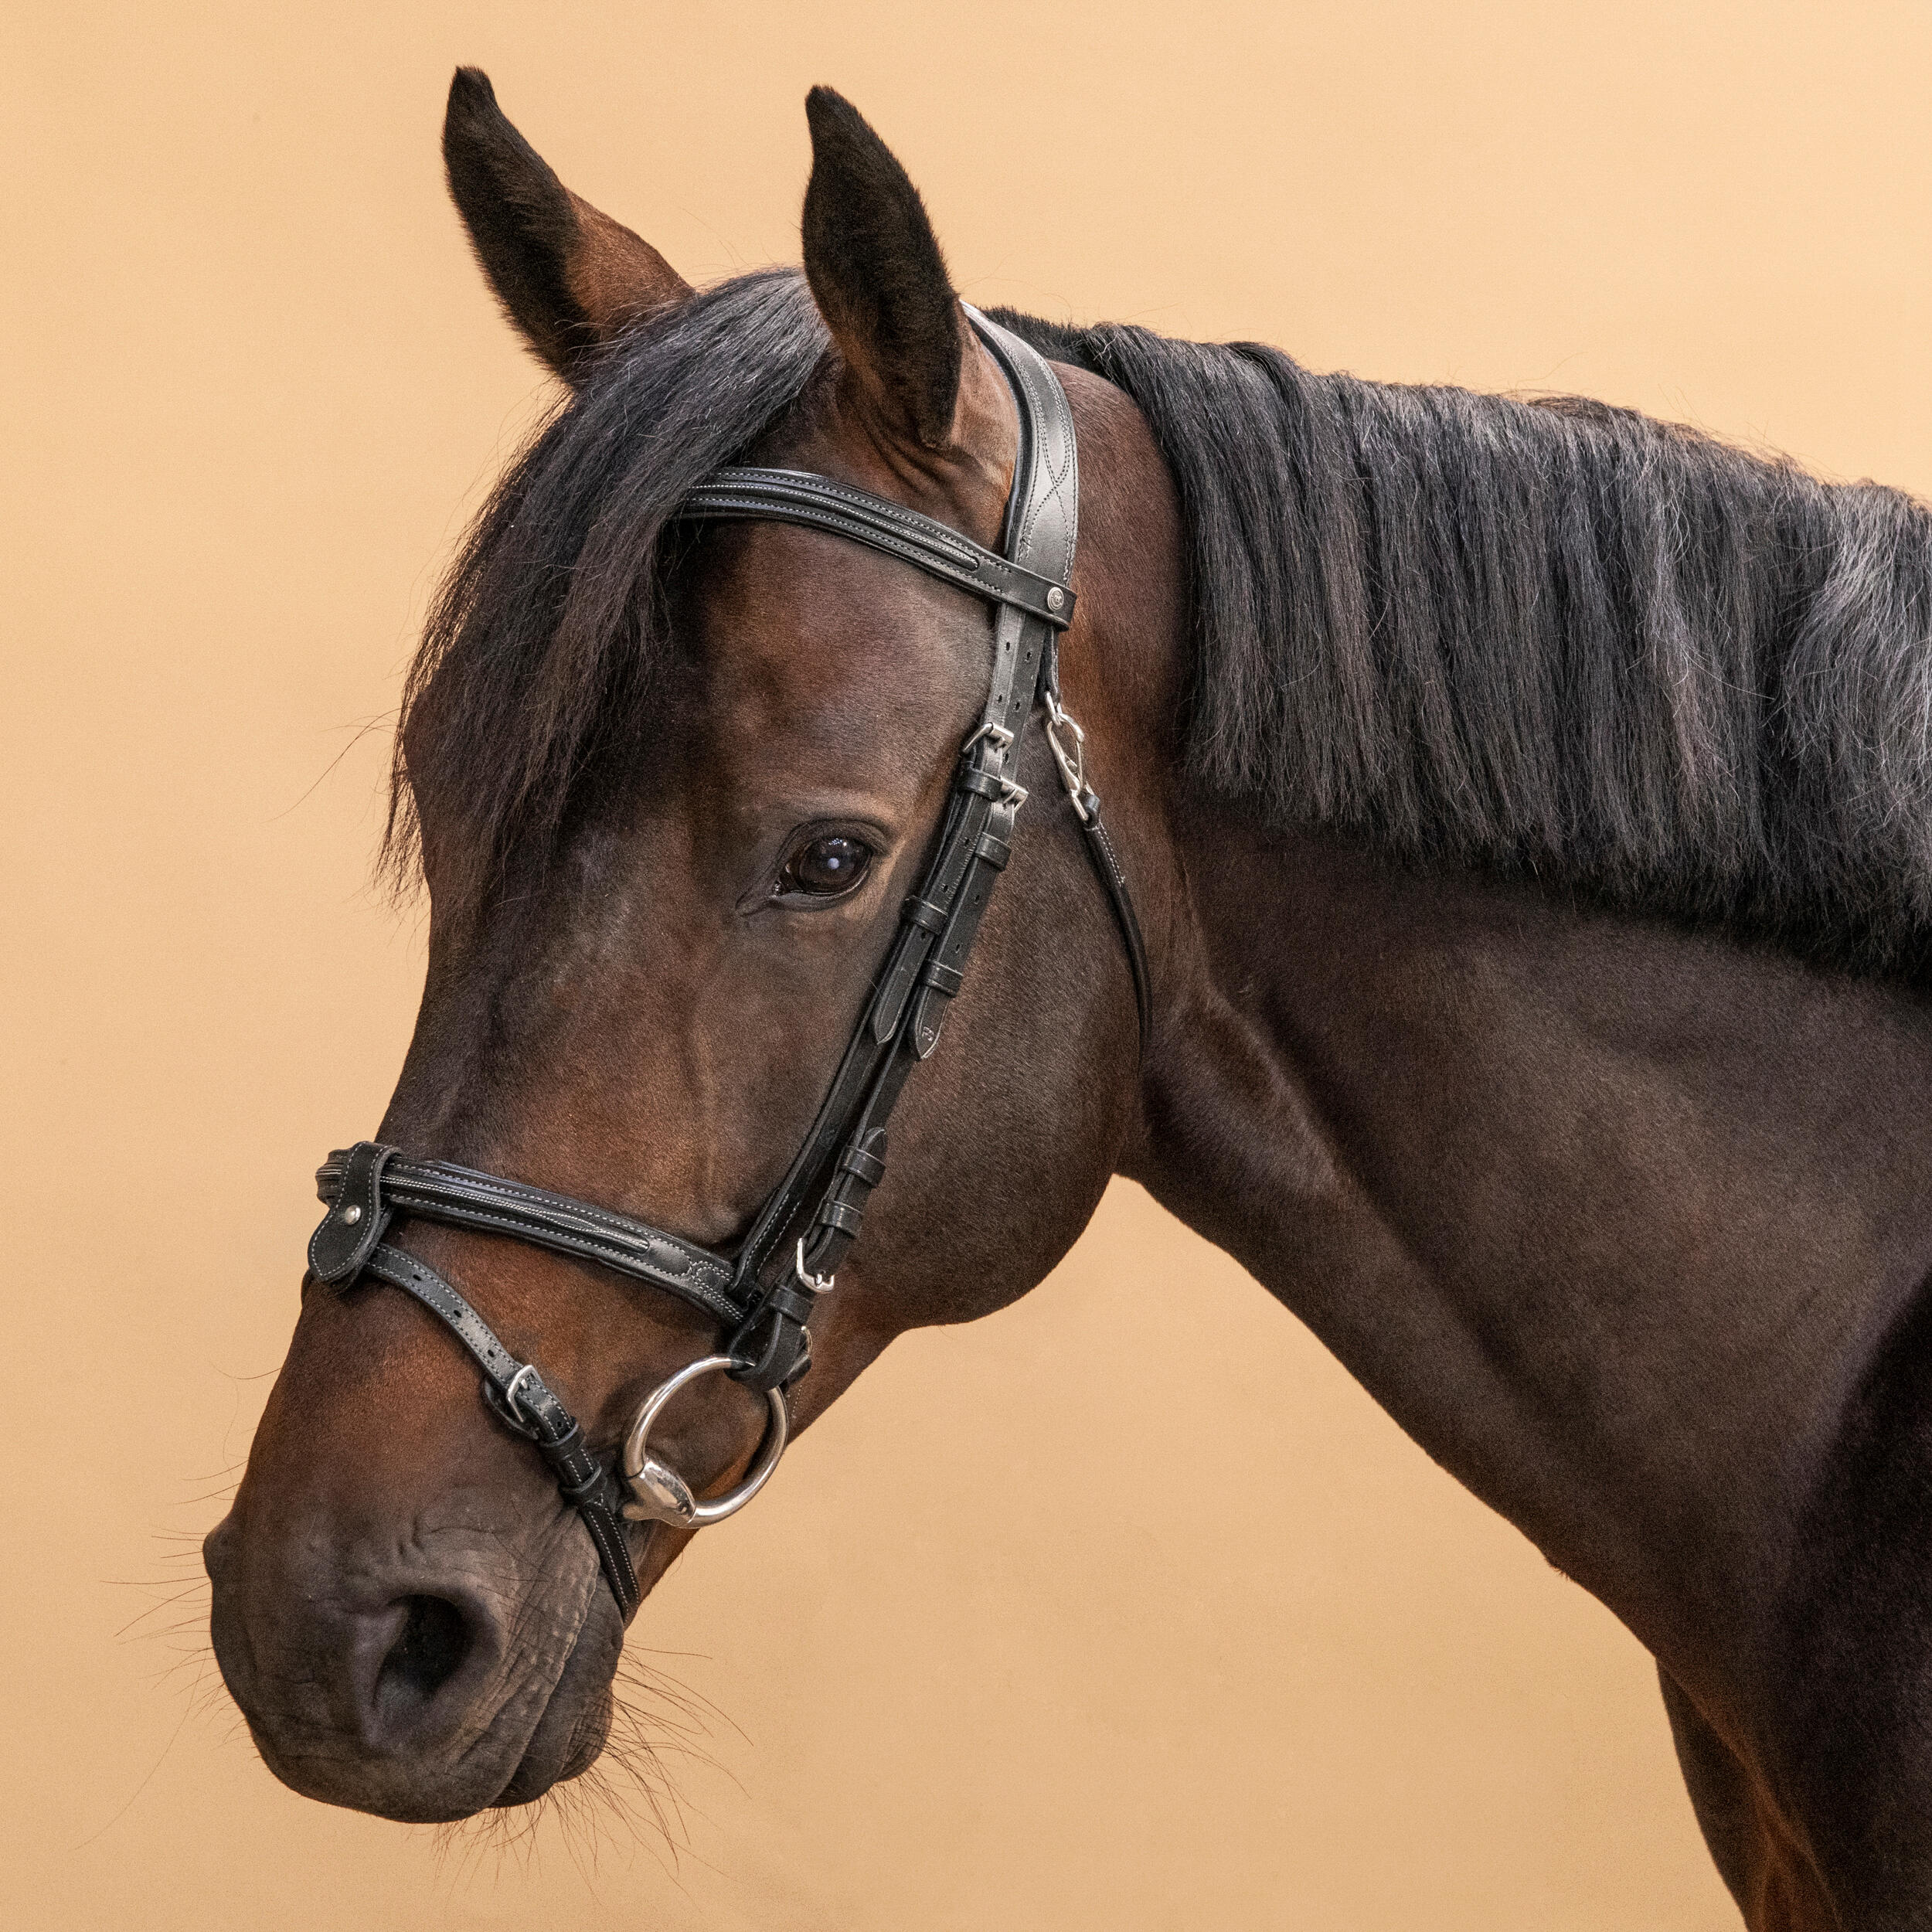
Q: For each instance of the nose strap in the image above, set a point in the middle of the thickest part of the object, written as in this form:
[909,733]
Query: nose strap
[372,1182]
[367,1186]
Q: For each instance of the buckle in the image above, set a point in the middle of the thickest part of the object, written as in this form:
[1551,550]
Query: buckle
[818,1283]
[998,735]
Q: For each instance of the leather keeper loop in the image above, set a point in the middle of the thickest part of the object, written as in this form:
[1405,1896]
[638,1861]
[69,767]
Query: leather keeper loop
[578,1473]
[579,1493]
[771,1351]
[924,914]
[988,785]
[942,978]
[567,1448]
[841,1215]
[868,1167]
[793,1302]
[994,849]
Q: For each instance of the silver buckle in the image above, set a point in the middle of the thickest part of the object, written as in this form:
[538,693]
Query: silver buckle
[510,1387]
[818,1283]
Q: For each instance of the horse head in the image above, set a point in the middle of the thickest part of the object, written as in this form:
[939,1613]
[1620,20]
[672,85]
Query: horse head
[671,786]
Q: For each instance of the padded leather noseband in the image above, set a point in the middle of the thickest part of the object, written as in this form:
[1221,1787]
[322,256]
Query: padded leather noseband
[763,1294]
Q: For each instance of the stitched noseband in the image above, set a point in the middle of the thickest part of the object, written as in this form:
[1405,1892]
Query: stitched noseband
[762,1296]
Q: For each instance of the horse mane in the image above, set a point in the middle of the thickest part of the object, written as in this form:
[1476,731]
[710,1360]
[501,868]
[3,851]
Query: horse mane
[1547,640]
[1551,640]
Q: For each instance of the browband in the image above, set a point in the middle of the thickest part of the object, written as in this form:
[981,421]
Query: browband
[797,496]
[765,1292]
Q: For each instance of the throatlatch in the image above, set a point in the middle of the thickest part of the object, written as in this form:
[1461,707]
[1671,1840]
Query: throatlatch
[764,1294]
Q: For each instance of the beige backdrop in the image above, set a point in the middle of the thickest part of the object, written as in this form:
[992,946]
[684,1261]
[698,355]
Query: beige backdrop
[983,1658]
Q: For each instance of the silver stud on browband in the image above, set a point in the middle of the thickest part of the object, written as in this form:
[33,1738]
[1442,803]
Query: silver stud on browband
[351,1216]
[1056,597]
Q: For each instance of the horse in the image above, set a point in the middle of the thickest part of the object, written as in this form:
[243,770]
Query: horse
[1528,810]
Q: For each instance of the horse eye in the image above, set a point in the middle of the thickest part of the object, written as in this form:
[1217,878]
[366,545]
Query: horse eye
[828,866]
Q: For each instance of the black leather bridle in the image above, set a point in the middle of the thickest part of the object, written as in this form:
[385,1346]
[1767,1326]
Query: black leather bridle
[762,1295]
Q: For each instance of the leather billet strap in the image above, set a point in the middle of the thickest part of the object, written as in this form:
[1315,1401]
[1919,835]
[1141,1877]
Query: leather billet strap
[1105,860]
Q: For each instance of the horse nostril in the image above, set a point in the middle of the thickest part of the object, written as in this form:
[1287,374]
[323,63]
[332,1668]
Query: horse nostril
[434,1642]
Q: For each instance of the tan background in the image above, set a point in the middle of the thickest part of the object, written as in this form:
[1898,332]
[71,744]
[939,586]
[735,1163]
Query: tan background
[998,1664]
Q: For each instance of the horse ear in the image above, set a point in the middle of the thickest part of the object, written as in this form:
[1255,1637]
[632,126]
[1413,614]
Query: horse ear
[569,277]
[878,276]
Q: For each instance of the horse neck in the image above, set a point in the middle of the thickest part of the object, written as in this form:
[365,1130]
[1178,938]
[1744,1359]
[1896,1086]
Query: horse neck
[1613,1219]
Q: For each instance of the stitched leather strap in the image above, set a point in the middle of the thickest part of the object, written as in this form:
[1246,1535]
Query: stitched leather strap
[520,1398]
[746,495]
[462,1197]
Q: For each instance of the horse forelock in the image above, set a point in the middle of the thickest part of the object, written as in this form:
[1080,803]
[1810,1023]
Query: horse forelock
[548,645]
